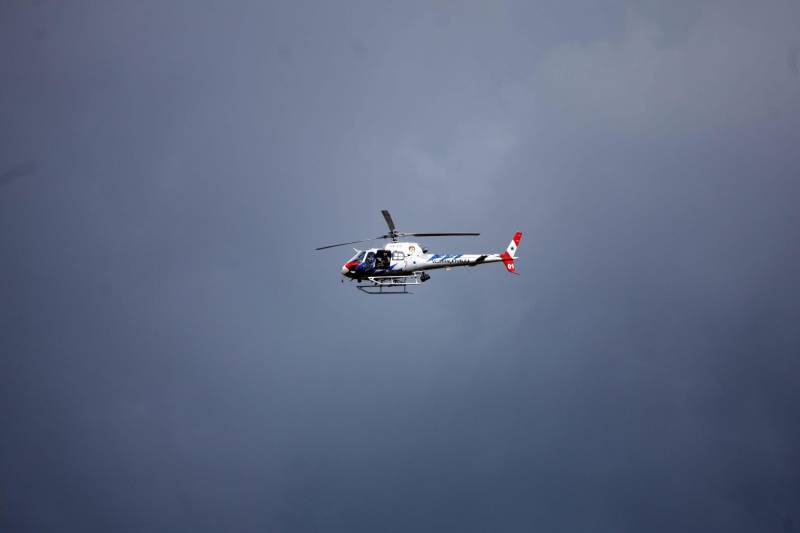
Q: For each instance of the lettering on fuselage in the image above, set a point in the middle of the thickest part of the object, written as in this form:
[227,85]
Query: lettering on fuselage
[449,259]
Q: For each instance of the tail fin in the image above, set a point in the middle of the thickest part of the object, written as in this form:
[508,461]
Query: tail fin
[511,253]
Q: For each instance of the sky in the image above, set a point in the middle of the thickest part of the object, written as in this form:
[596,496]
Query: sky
[175,356]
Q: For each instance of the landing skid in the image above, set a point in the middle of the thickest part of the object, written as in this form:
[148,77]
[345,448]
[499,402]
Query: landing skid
[391,284]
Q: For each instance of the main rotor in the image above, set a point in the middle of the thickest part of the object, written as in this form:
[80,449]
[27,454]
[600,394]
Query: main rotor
[394,234]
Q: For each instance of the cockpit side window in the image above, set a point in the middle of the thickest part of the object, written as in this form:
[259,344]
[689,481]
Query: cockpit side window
[371,257]
[359,256]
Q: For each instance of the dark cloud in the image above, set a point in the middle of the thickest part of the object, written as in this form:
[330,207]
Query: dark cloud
[15,173]
[175,356]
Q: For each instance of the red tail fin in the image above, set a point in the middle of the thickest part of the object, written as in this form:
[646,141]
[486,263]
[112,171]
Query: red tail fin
[511,253]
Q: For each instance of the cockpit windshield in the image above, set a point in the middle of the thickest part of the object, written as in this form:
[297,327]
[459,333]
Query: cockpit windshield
[358,257]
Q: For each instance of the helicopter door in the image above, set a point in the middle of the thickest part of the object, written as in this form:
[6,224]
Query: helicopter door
[383,259]
[370,260]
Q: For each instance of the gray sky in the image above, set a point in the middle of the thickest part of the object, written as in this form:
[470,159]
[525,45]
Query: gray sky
[174,356]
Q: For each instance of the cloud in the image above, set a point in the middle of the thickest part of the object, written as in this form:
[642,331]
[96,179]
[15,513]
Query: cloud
[727,70]
[19,172]
[474,154]
[192,363]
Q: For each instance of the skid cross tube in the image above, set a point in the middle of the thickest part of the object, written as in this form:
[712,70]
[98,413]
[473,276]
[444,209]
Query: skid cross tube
[390,284]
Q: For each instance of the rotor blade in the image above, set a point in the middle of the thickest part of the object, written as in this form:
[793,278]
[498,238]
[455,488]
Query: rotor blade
[389,220]
[436,234]
[345,243]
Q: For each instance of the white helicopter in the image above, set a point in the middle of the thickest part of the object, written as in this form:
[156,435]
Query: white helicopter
[391,269]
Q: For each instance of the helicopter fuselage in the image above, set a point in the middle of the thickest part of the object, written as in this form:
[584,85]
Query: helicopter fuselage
[405,258]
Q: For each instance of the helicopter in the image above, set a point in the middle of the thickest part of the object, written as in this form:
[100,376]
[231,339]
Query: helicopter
[398,265]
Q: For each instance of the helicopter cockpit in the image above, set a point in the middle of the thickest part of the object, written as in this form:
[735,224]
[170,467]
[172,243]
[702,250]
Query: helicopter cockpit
[380,259]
